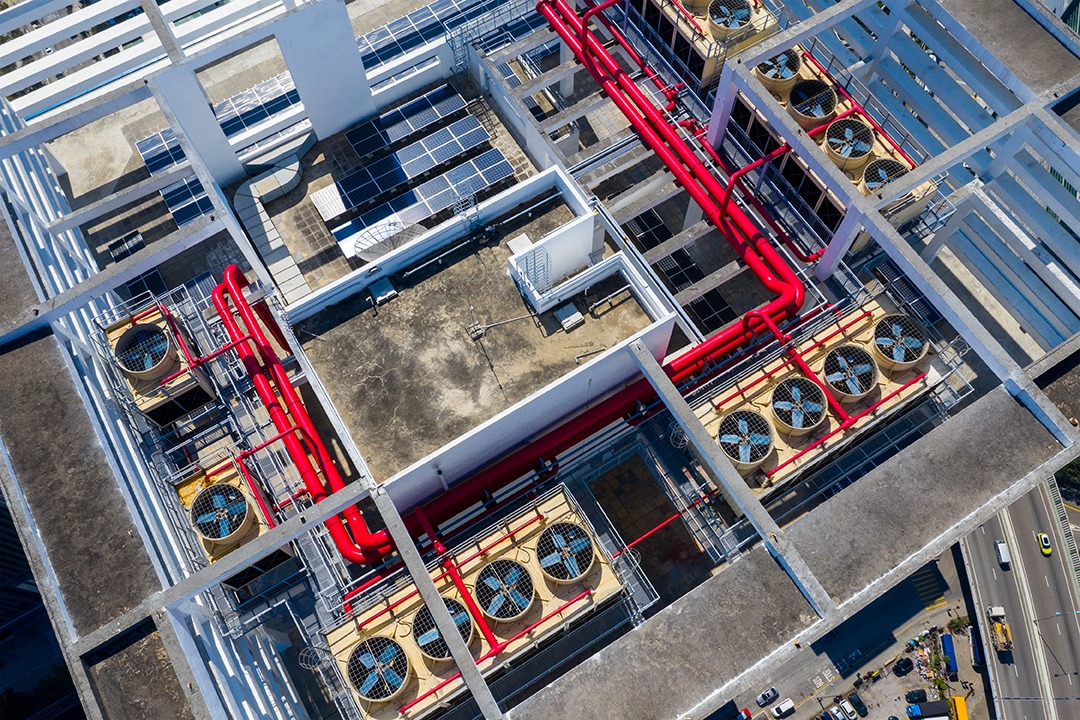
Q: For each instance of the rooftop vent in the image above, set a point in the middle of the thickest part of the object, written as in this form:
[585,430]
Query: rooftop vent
[222,515]
[899,342]
[504,590]
[811,103]
[428,636]
[728,17]
[146,352]
[848,143]
[798,405]
[780,72]
[378,669]
[881,172]
[745,437]
[850,372]
[566,553]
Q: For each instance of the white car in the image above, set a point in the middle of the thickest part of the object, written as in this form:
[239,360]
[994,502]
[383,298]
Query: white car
[849,710]
[837,713]
[784,708]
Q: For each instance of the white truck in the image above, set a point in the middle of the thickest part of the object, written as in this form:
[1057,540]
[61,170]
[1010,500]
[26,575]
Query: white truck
[1002,550]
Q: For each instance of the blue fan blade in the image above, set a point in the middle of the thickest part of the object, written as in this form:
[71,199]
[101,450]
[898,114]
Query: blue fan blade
[223,527]
[389,654]
[550,560]
[913,343]
[579,545]
[512,576]
[759,439]
[369,683]
[842,361]
[744,453]
[796,418]
[496,604]
[853,386]
[863,369]
[885,342]
[729,438]
[429,637]
[796,393]
[742,14]
[208,517]
[812,407]
[492,583]
[782,405]
[836,377]
[742,426]
[238,508]
[898,353]
[392,678]
[520,600]
[367,660]
[897,330]
[559,541]
[460,619]
[218,500]
[572,566]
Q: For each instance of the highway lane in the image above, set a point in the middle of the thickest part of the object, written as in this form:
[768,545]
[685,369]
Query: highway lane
[1051,593]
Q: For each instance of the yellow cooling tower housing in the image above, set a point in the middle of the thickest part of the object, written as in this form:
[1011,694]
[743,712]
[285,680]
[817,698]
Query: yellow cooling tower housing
[221,509]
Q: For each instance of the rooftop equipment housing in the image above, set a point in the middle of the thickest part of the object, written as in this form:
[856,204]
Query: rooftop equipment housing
[222,508]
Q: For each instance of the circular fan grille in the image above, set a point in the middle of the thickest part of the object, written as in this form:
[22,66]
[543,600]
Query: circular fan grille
[850,138]
[730,13]
[565,552]
[812,98]
[745,436]
[504,589]
[428,636]
[798,403]
[899,338]
[780,67]
[850,370]
[378,668]
[141,348]
[219,511]
[881,172]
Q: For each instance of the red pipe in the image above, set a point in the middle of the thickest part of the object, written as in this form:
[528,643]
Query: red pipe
[194,362]
[664,524]
[862,111]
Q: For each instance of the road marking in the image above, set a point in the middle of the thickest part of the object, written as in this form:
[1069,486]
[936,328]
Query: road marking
[1059,631]
[1047,580]
[1071,507]
[994,573]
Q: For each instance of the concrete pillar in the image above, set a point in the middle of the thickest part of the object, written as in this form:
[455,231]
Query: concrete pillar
[941,237]
[693,214]
[566,87]
[721,110]
[841,241]
[187,109]
[320,51]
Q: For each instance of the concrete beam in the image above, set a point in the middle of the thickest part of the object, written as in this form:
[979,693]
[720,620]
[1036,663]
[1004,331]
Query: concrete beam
[117,200]
[804,31]
[734,487]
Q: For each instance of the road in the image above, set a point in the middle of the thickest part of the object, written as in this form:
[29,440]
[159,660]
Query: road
[1042,680]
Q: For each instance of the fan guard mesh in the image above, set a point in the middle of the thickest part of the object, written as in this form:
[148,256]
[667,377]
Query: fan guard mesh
[850,138]
[881,172]
[798,402]
[780,67]
[745,436]
[378,668]
[812,98]
[142,347]
[565,551]
[899,337]
[850,370]
[730,14]
[218,511]
[504,589]
[428,636]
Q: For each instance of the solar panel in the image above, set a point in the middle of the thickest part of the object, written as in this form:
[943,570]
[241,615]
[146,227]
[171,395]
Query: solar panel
[400,123]
[160,151]
[256,104]
[423,201]
[186,200]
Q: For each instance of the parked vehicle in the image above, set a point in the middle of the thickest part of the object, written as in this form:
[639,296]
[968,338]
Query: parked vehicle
[784,708]
[915,696]
[860,706]
[767,697]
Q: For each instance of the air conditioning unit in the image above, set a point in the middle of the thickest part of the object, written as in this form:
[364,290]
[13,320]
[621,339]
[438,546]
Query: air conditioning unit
[220,509]
[776,423]
[145,349]
[528,577]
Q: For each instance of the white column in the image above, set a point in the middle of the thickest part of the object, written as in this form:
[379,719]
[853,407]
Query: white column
[566,87]
[320,51]
[184,104]
[693,214]
[841,241]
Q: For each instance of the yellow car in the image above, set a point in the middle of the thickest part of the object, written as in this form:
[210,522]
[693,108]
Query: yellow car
[1044,544]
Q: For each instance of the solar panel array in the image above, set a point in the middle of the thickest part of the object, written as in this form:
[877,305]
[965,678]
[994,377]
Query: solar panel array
[398,124]
[186,199]
[160,151]
[406,164]
[256,104]
[423,201]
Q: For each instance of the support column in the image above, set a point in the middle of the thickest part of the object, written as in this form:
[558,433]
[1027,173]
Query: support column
[320,52]
[566,87]
[721,110]
[693,216]
[187,109]
[839,245]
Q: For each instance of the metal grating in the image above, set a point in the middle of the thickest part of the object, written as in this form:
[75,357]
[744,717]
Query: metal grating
[900,338]
[812,98]
[798,402]
[782,66]
[732,14]
[745,436]
[850,138]
[881,172]
[219,511]
[428,636]
[565,552]
[142,347]
[851,370]
[504,589]
[378,668]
